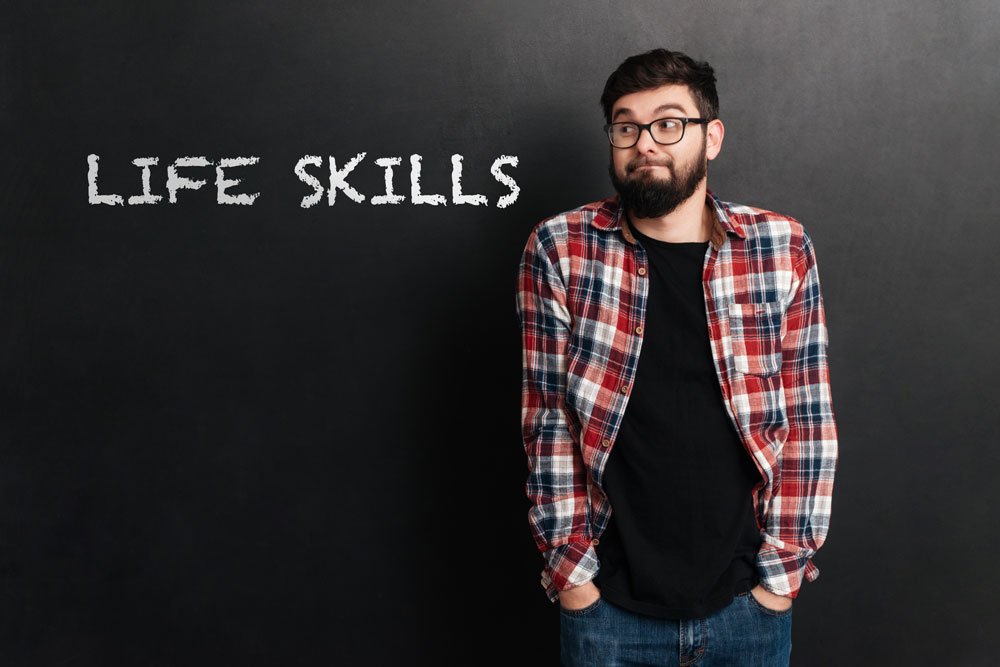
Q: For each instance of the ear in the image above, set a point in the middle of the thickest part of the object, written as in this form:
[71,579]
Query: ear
[714,132]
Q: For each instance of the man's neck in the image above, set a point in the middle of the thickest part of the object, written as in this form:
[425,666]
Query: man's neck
[690,222]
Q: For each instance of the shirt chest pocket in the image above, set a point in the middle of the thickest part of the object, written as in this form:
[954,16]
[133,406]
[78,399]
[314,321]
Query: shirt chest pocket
[755,331]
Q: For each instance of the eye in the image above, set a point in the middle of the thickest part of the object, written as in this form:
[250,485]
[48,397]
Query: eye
[667,124]
[626,129]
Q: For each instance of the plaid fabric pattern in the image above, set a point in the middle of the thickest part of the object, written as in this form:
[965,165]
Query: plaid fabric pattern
[581,297]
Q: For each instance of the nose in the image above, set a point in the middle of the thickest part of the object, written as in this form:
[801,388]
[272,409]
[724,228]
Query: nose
[645,141]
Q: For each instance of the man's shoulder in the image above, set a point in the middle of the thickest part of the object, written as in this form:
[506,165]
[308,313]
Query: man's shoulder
[572,222]
[762,223]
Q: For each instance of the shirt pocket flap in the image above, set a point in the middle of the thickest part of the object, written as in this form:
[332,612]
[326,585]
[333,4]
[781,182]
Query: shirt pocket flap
[755,332]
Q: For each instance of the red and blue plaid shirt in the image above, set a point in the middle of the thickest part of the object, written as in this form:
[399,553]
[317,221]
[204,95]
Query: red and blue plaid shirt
[581,301]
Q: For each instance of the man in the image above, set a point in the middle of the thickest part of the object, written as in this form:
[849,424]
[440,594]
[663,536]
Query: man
[676,405]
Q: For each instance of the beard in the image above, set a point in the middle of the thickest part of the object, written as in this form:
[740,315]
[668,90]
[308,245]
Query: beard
[650,197]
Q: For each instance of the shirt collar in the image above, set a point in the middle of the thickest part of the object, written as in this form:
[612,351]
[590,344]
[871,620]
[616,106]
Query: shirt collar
[611,215]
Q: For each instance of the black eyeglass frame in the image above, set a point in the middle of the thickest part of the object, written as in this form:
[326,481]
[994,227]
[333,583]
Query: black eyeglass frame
[649,127]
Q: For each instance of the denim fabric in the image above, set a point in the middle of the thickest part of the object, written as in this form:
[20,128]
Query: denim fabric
[743,633]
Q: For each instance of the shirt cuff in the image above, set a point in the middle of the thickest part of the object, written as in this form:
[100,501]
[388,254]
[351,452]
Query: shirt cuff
[782,571]
[568,565]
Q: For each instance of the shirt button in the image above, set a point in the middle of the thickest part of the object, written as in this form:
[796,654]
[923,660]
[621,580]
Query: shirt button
[595,542]
[642,271]
[605,443]
[624,388]
[638,330]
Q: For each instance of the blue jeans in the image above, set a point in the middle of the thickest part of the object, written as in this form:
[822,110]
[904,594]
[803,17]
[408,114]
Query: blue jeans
[743,633]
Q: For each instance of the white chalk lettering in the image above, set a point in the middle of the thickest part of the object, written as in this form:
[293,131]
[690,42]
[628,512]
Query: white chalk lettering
[175,182]
[338,179]
[415,196]
[309,179]
[388,198]
[222,183]
[147,196]
[456,185]
[508,199]
[92,195]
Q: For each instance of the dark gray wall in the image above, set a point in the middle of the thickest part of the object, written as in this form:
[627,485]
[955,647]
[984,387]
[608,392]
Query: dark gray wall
[274,435]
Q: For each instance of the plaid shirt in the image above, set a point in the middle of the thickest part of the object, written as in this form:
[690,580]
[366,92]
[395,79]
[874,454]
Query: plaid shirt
[581,301]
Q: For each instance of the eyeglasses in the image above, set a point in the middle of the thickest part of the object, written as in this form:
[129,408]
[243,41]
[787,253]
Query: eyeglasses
[665,131]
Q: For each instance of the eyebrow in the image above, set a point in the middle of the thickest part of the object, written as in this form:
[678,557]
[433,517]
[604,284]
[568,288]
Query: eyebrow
[662,107]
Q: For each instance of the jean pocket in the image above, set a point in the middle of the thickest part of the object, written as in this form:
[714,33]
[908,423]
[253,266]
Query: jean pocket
[755,603]
[755,332]
[582,611]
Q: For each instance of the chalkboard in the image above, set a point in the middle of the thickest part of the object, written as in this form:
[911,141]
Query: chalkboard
[248,422]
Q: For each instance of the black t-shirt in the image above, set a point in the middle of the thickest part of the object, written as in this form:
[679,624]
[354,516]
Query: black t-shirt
[682,536]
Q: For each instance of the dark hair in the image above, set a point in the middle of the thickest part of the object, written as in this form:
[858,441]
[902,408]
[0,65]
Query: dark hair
[660,67]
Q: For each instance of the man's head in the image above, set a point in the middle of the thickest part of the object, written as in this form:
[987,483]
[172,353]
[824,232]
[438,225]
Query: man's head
[651,178]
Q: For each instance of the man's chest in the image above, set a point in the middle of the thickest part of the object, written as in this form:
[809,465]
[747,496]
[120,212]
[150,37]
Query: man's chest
[744,286]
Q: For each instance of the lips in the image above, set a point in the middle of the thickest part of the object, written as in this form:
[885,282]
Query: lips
[650,166]
[646,168]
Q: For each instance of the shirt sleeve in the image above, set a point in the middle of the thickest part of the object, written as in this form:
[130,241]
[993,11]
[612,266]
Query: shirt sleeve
[798,517]
[559,516]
